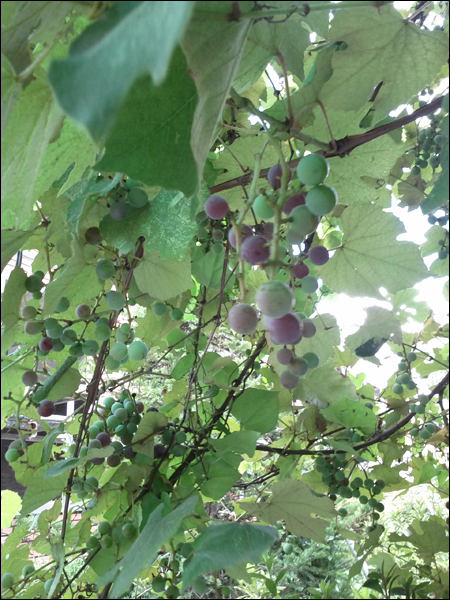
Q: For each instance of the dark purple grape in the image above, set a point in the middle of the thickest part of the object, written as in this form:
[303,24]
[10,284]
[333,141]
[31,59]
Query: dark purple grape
[45,344]
[93,236]
[284,356]
[216,207]
[29,378]
[118,211]
[103,438]
[97,461]
[268,231]
[242,318]
[292,202]
[309,329]
[285,331]
[140,407]
[246,232]
[113,461]
[129,453]
[45,408]
[318,255]
[254,250]
[300,270]
[274,176]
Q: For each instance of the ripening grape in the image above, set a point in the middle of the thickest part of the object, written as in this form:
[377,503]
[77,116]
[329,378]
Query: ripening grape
[318,255]
[242,318]
[62,305]
[312,360]
[33,327]
[90,484]
[29,312]
[33,284]
[137,197]
[309,284]
[159,309]
[288,380]
[69,337]
[115,300]
[321,199]
[284,356]
[82,311]
[216,207]
[274,299]
[118,211]
[102,332]
[105,269]
[93,236]
[113,461]
[137,350]
[29,378]
[245,233]
[45,408]
[312,169]
[217,235]
[118,351]
[300,270]
[268,231]
[292,202]
[298,366]
[262,209]
[303,221]
[309,329]
[285,331]
[45,344]
[57,346]
[103,438]
[254,250]
[274,175]
[293,238]
[176,314]
[90,347]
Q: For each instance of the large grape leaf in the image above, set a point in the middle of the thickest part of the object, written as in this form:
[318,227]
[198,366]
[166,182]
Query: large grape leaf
[132,38]
[256,410]
[154,146]
[161,278]
[351,414]
[213,47]
[371,257]
[382,46]
[324,386]
[428,537]
[379,323]
[295,503]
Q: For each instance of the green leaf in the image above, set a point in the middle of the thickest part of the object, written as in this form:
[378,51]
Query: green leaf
[256,410]
[371,257]
[324,386]
[295,503]
[11,503]
[49,441]
[208,269]
[143,439]
[183,366]
[163,279]
[225,545]
[379,324]
[38,491]
[66,385]
[219,474]
[79,192]
[324,341]
[439,194]
[405,306]
[142,34]
[12,242]
[9,91]
[143,552]
[12,296]
[428,537]
[241,442]
[31,126]
[213,66]
[351,414]
[61,466]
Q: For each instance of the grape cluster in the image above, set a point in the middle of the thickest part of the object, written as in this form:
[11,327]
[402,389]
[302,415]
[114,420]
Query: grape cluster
[403,377]
[429,144]
[124,196]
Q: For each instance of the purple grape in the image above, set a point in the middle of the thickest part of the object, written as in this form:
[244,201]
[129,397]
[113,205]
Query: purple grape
[103,438]
[284,356]
[300,270]
[274,176]
[29,378]
[129,453]
[293,202]
[268,231]
[288,380]
[45,344]
[284,331]
[242,318]
[254,250]
[309,329]
[216,207]
[318,255]
[246,232]
[298,366]
[45,408]
[93,236]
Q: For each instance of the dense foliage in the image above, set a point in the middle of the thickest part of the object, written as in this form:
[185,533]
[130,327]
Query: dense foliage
[200,181]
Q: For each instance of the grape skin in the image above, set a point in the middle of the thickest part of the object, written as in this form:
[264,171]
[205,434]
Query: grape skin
[32,327]
[242,318]
[216,207]
[309,329]
[274,299]
[303,221]
[137,197]
[105,269]
[284,356]
[29,312]
[300,270]
[293,202]
[274,176]
[82,311]
[115,300]
[46,408]
[29,378]
[93,236]
[318,255]
[245,233]
[321,199]
[312,169]
[254,250]
[298,366]
[285,331]
[137,350]
[288,380]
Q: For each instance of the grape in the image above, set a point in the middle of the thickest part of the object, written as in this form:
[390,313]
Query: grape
[419,409]
[423,399]
[368,405]
[303,221]
[309,329]
[62,305]
[411,356]
[108,402]
[137,350]
[357,482]
[217,235]
[217,249]
[118,351]
[118,211]
[113,461]
[27,570]
[159,309]
[415,171]
[312,169]
[274,176]
[288,380]
[438,140]
[300,270]
[128,530]
[45,408]
[274,299]
[93,236]
[254,250]
[293,202]
[115,300]
[158,584]
[76,350]
[318,255]
[29,312]
[29,378]
[321,199]
[12,455]
[404,378]
[55,332]
[402,366]
[33,284]
[262,209]
[102,332]
[424,434]
[312,360]
[16,445]
[37,295]
[32,327]
[309,284]
[90,484]
[105,269]
[82,311]
[90,347]
[284,356]
[45,344]
[397,389]
[176,314]
[137,197]
[103,438]
[268,231]
[242,318]
[435,161]
[245,233]
[216,207]
[92,542]
[442,255]
[111,364]
[298,366]
[286,330]
[7,580]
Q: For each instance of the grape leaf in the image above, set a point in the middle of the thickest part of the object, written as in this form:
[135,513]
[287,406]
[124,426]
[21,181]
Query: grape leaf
[9,91]
[11,503]
[12,296]
[379,323]
[351,414]
[163,279]
[256,410]
[324,386]
[428,537]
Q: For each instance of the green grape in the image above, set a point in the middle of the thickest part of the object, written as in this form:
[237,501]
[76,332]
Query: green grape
[137,197]
[121,414]
[372,502]
[12,455]
[303,222]
[262,209]
[102,332]
[95,444]
[424,434]
[128,530]
[180,437]
[178,450]
[32,327]
[368,483]
[115,300]
[380,483]
[90,347]
[380,507]
[411,385]
[312,169]
[69,337]
[90,484]
[48,584]
[158,584]
[37,295]
[104,528]
[402,366]
[105,269]
[416,171]
[376,490]
[118,351]
[312,359]
[176,314]
[137,350]
[368,405]
[56,332]
[434,161]
[76,350]
[411,356]
[27,570]
[363,499]
[111,364]
[320,200]
[62,305]
[339,476]
[108,402]
[217,249]
[309,284]
[83,451]
[93,431]
[107,541]
[92,542]
[288,548]
[414,432]
[159,309]
[343,512]
[33,284]
[345,491]
[397,389]
[404,378]
[29,312]
[420,409]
